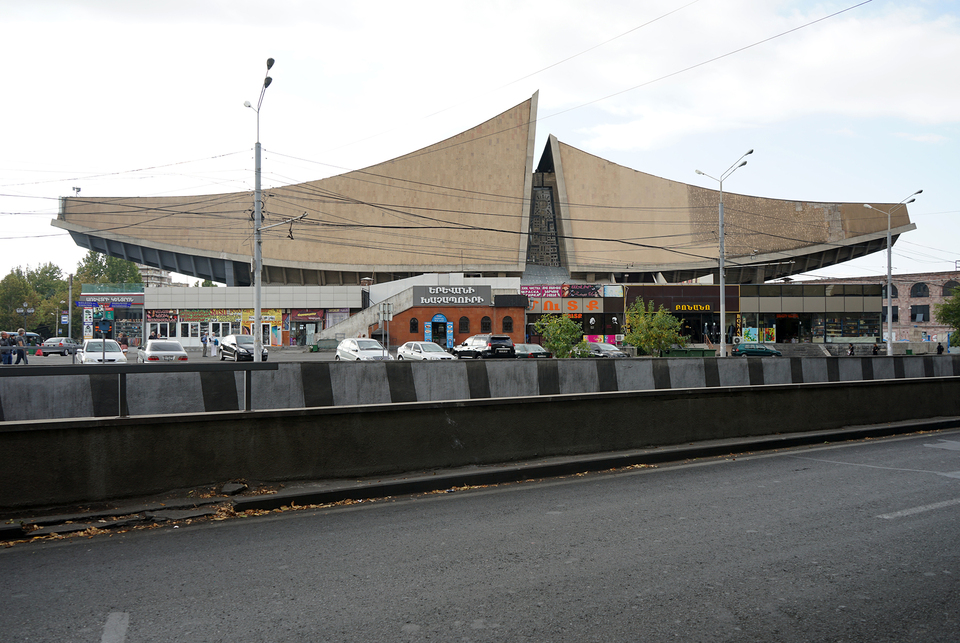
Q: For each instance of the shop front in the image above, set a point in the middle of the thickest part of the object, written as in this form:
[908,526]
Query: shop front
[304,325]
[112,315]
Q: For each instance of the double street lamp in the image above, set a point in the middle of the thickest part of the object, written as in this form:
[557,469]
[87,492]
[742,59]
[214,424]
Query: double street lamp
[257,225]
[723,295]
[902,204]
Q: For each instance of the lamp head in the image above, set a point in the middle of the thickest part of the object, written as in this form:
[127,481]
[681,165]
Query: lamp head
[267,81]
[246,103]
[699,172]
[867,205]
[744,163]
[269,63]
[749,153]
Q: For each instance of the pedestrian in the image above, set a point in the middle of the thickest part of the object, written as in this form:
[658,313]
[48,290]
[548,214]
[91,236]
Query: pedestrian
[153,335]
[203,341]
[6,344]
[214,343]
[124,342]
[850,350]
[939,348]
[876,349]
[21,341]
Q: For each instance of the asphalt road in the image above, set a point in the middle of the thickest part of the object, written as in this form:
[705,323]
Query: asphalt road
[851,542]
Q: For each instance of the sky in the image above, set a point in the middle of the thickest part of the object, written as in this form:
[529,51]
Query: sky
[846,101]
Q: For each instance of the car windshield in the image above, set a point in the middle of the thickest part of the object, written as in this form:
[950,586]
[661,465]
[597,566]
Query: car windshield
[244,340]
[607,347]
[164,346]
[431,348]
[369,345]
[97,347]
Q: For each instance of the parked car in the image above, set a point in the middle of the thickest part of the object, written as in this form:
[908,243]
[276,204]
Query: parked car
[361,349]
[101,351]
[239,348]
[600,349]
[161,350]
[754,350]
[60,346]
[485,347]
[531,350]
[423,351]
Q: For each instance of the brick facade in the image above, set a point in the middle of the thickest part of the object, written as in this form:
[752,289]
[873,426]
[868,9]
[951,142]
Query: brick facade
[499,318]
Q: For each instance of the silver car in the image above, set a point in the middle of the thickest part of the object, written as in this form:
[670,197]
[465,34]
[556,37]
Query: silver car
[355,349]
[423,351]
[101,351]
[161,350]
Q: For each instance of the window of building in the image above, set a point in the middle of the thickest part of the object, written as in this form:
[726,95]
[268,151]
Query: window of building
[507,325]
[486,325]
[920,290]
[464,325]
[919,313]
[896,295]
[414,325]
[949,287]
[896,315]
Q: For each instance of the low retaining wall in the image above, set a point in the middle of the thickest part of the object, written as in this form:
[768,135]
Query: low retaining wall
[66,461]
[316,384]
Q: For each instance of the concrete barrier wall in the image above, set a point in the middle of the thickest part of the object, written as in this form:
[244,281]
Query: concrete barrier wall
[65,461]
[313,384]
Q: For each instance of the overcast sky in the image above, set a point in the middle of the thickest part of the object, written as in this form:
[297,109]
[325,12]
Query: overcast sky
[841,100]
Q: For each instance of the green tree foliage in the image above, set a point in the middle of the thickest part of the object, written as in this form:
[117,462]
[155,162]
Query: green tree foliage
[14,291]
[96,268]
[948,313]
[561,335]
[652,330]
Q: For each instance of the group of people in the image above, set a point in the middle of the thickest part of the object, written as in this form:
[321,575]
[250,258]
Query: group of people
[11,344]
[210,341]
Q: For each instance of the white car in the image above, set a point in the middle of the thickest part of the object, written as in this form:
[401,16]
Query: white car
[101,351]
[424,351]
[161,350]
[361,349]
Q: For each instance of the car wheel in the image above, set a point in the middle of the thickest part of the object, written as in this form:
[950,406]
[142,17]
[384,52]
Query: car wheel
[223,356]
[336,358]
[399,358]
[236,356]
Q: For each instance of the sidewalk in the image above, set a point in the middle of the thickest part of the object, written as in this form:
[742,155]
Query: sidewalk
[232,498]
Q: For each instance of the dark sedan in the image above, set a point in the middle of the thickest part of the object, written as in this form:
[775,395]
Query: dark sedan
[531,350]
[239,348]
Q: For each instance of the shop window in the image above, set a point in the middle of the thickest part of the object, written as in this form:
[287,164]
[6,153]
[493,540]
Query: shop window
[486,325]
[920,290]
[896,295]
[507,325]
[414,326]
[919,313]
[949,288]
[464,325]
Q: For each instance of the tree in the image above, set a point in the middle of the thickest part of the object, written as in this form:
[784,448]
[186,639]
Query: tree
[652,329]
[96,268]
[948,313]
[561,335]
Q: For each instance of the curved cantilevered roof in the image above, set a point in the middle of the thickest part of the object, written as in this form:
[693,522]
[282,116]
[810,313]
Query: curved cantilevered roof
[458,205]
[465,205]
[671,228]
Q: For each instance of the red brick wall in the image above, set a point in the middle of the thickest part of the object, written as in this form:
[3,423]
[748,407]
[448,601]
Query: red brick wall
[400,326]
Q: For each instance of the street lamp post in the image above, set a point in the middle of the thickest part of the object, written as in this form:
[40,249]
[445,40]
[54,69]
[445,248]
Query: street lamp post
[257,223]
[723,295]
[902,203]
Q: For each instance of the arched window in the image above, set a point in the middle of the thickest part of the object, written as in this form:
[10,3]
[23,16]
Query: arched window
[920,290]
[507,325]
[896,295]
[464,325]
[949,288]
[414,325]
[486,325]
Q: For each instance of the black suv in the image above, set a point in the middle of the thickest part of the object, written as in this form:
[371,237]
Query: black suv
[484,347]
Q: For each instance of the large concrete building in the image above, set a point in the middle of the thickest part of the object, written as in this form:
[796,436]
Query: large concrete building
[478,205]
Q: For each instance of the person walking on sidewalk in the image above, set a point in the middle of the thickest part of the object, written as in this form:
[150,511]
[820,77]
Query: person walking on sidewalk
[203,340]
[6,342]
[214,344]
[21,341]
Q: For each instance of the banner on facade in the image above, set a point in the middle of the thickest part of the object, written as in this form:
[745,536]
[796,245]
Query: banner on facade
[210,315]
[452,296]
[306,315]
[161,316]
